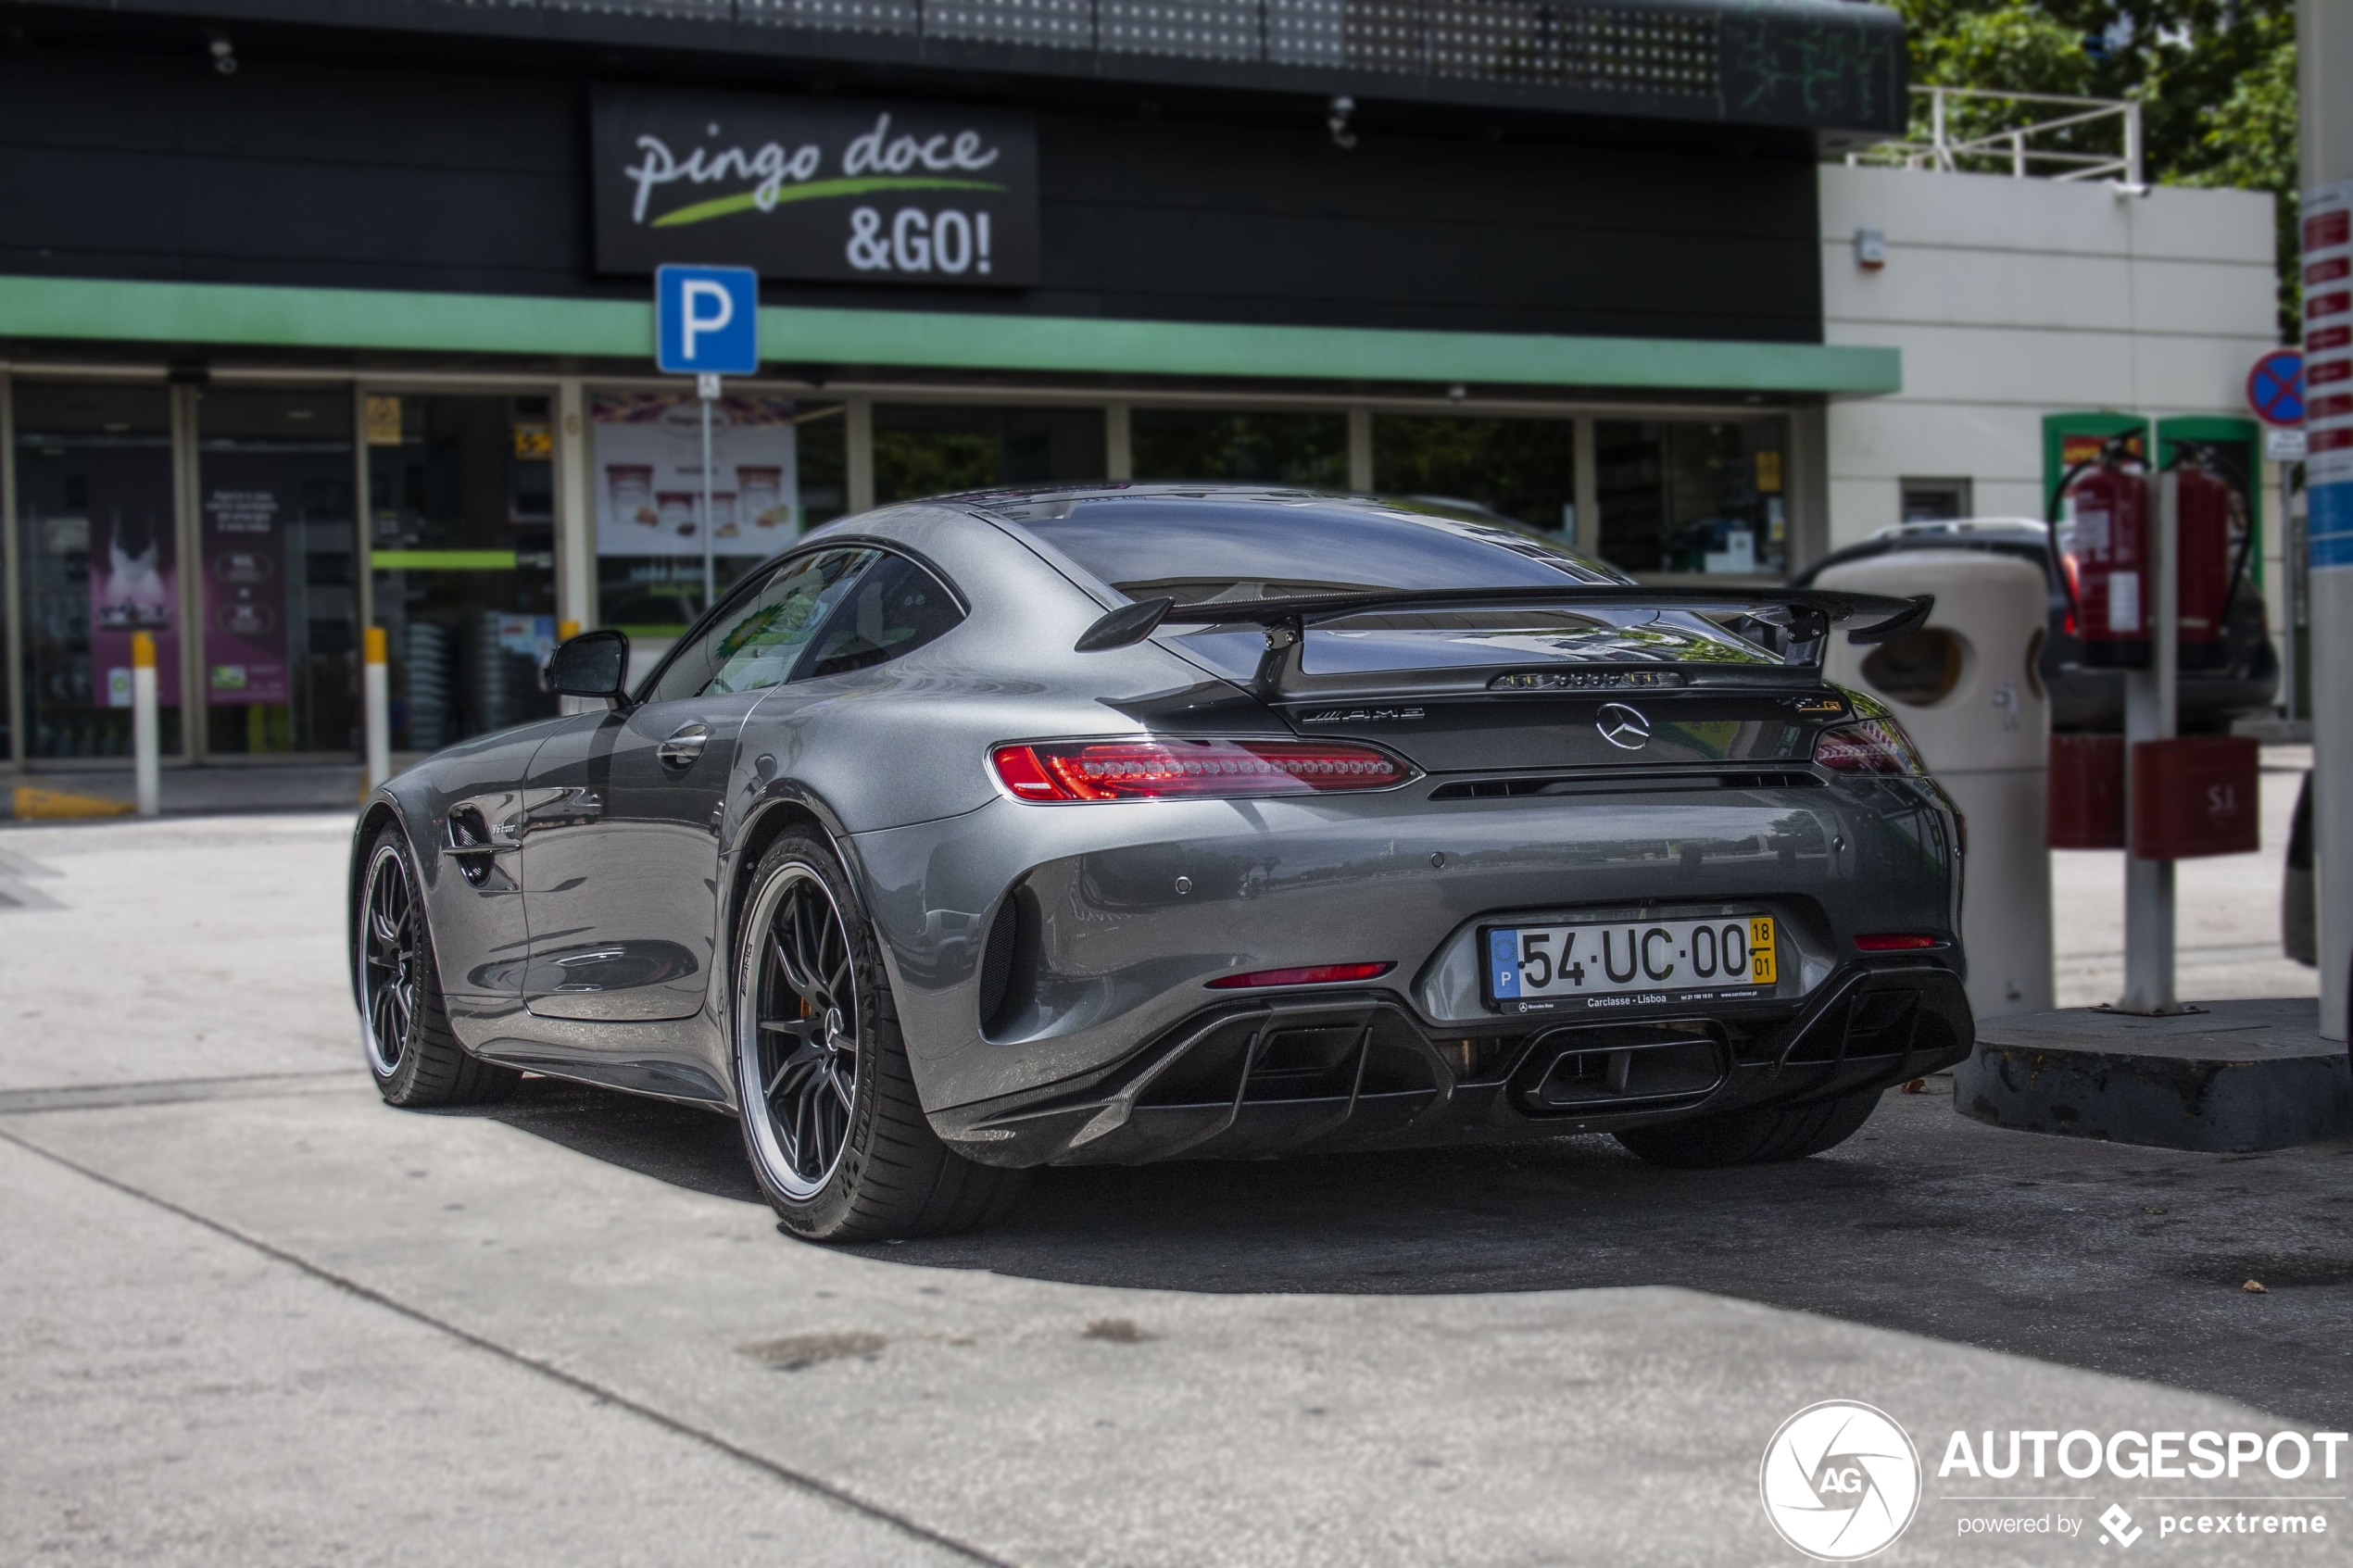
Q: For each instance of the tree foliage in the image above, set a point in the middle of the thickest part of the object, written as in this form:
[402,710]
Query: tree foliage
[2215,79]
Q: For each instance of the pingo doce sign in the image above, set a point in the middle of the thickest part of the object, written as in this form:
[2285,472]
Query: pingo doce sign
[816,188]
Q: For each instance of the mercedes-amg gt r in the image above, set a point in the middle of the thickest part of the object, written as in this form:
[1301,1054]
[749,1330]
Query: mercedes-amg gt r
[1133,822]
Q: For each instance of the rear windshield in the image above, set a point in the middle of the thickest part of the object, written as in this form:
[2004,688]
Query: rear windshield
[1197,549]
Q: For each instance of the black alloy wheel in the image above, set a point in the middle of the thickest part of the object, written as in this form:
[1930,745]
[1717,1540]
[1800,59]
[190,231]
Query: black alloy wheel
[404,1024]
[837,1139]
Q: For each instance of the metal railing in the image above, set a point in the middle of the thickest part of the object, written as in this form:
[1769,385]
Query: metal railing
[2025,150]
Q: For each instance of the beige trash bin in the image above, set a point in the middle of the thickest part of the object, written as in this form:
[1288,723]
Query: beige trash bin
[1967,693]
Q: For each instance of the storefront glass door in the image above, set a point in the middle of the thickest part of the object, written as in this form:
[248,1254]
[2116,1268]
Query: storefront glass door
[1694,497]
[921,450]
[278,594]
[778,468]
[462,536]
[1523,471]
[100,562]
[1308,450]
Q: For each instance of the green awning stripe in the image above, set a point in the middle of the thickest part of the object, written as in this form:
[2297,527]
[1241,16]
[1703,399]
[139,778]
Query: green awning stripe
[442,561]
[347,318]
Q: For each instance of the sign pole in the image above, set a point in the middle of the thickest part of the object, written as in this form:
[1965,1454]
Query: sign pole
[707,387]
[2151,705]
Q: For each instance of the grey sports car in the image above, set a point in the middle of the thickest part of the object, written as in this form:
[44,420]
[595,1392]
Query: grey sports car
[1130,822]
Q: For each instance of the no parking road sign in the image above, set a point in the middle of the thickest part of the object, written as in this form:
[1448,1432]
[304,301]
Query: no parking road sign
[2275,388]
[707,321]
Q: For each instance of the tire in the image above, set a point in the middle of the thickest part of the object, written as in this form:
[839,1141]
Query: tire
[1758,1136]
[404,1023]
[838,1162]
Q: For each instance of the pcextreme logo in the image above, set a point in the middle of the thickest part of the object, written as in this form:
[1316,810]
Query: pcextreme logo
[1840,1481]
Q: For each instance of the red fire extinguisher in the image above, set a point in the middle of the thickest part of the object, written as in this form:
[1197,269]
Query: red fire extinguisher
[2105,558]
[2213,512]
[2112,576]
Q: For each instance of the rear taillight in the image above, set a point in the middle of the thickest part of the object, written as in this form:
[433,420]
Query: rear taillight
[1870,746]
[1174,768]
[1893,941]
[1315,974]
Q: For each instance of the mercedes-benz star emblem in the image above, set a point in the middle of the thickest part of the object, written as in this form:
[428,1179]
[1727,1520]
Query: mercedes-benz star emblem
[1623,727]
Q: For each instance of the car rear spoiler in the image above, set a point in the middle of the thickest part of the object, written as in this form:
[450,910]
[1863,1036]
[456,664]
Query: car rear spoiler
[1797,636]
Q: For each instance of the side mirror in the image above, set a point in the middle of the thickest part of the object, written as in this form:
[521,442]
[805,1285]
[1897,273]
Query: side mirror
[592,664]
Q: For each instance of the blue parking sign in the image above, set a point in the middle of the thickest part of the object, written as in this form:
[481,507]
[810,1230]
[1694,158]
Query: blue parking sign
[707,321]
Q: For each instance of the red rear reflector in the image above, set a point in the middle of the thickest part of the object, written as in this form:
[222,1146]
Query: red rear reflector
[1315,974]
[1158,769]
[1892,943]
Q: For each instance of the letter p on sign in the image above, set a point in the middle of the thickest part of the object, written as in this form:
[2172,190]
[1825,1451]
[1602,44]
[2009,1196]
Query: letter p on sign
[707,321]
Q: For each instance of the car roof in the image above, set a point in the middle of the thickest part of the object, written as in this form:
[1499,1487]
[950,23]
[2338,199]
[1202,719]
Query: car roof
[1981,527]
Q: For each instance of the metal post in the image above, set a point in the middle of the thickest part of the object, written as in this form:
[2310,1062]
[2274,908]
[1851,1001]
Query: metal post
[2151,699]
[2132,144]
[375,702]
[2324,64]
[1360,448]
[706,388]
[1937,138]
[146,737]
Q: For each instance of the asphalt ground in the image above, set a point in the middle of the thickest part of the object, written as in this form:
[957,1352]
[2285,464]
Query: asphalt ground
[250,1315]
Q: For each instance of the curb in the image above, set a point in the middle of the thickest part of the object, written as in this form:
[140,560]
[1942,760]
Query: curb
[32,803]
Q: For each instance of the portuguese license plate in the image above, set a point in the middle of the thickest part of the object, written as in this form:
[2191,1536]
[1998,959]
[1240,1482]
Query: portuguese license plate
[1630,963]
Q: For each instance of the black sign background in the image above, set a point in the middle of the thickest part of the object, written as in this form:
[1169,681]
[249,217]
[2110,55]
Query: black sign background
[816,188]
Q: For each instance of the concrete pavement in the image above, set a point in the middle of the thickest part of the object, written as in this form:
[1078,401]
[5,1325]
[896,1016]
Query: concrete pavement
[255,1316]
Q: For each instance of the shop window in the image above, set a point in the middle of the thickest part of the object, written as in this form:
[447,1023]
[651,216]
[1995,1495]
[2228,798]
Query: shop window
[1693,496]
[1935,500]
[1519,471]
[462,536]
[276,583]
[100,562]
[1306,450]
[928,450]
[777,471]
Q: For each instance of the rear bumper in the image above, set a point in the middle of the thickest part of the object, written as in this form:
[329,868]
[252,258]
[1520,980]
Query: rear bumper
[1359,1069]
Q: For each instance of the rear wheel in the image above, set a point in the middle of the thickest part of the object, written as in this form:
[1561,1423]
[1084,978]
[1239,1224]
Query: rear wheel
[838,1139]
[1758,1136]
[413,1056]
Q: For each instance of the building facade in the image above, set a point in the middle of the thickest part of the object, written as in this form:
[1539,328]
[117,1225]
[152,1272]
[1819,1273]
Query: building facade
[313,325]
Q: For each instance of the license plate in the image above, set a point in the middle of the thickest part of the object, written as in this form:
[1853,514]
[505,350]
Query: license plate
[1628,963]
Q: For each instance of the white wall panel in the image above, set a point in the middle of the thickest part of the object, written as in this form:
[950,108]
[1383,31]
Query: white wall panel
[1995,212]
[2013,298]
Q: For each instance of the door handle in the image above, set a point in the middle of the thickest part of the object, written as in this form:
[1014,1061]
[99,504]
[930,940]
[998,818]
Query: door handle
[685,744]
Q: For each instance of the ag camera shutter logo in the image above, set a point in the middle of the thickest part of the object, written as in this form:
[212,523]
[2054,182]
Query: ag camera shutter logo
[1840,1481]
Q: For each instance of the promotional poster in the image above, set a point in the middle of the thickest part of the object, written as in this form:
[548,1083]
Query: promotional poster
[245,597]
[134,575]
[648,479]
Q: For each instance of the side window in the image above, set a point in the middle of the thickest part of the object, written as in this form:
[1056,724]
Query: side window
[896,608]
[766,633]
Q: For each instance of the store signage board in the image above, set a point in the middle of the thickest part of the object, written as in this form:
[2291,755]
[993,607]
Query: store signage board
[706,320]
[2275,388]
[816,189]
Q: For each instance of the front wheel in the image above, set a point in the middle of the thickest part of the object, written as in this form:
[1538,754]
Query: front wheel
[838,1139]
[413,1056]
[1756,1136]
